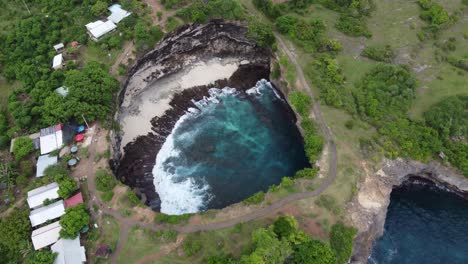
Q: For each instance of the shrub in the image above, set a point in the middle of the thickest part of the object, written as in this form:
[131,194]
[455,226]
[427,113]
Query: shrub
[262,33]
[378,53]
[104,181]
[353,26]
[285,226]
[26,168]
[308,173]
[73,221]
[341,241]
[171,24]
[349,124]
[255,199]
[67,187]
[22,147]
[191,247]
[133,198]
[301,103]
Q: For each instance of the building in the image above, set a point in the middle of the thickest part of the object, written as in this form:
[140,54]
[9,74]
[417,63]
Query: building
[100,28]
[59,47]
[45,236]
[69,251]
[117,13]
[43,162]
[36,197]
[63,91]
[57,63]
[34,137]
[46,213]
[74,200]
[51,138]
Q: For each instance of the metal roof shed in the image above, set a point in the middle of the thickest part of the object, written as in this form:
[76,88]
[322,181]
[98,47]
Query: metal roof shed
[43,162]
[37,196]
[99,28]
[59,47]
[57,63]
[69,251]
[117,13]
[46,213]
[45,236]
[51,138]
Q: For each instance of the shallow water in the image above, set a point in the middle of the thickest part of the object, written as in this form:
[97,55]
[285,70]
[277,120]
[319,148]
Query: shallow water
[423,225]
[235,145]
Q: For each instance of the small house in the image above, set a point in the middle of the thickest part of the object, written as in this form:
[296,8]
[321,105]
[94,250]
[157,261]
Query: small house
[43,162]
[69,251]
[51,138]
[99,28]
[74,200]
[58,63]
[59,47]
[117,13]
[46,236]
[46,213]
[36,197]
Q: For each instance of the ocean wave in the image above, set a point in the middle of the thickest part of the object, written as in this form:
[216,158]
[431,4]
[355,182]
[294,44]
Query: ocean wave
[180,193]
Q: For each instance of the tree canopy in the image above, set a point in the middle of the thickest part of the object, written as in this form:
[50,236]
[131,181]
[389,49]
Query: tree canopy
[73,221]
[22,147]
[14,236]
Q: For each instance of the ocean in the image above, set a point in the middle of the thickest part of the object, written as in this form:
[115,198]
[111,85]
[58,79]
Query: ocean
[424,225]
[231,146]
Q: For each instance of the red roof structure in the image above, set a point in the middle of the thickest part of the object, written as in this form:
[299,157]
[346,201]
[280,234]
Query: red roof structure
[74,200]
[79,137]
[74,43]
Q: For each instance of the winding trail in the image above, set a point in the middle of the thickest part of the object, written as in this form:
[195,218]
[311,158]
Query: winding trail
[126,224]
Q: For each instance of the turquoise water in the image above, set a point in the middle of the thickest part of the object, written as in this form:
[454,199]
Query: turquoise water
[235,145]
[424,225]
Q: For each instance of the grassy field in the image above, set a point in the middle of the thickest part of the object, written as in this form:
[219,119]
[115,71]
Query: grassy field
[234,241]
[139,243]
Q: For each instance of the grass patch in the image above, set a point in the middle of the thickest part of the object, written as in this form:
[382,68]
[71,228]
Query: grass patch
[139,244]
[161,218]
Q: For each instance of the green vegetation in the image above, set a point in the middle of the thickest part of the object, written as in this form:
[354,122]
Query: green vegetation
[133,198]
[41,257]
[353,26]
[15,231]
[104,181]
[262,33]
[301,102]
[378,53]
[60,174]
[171,24]
[23,147]
[201,11]
[171,219]
[341,241]
[74,219]
[255,198]
[191,246]
[329,202]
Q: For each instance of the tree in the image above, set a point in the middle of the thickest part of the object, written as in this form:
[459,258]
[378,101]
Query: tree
[262,33]
[23,146]
[66,188]
[285,226]
[341,241]
[104,181]
[14,235]
[41,257]
[73,221]
[268,248]
[313,252]
[99,8]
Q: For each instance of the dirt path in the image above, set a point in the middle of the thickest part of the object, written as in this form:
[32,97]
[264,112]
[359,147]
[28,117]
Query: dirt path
[127,223]
[123,57]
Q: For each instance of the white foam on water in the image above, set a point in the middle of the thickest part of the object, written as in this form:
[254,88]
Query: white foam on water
[180,194]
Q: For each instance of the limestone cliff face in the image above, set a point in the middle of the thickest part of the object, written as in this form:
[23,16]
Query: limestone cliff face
[368,209]
[189,44]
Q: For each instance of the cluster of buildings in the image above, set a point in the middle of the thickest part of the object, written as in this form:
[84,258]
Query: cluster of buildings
[99,28]
[45,207]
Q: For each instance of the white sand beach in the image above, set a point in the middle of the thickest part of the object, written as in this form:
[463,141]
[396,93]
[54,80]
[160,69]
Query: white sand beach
[142,102]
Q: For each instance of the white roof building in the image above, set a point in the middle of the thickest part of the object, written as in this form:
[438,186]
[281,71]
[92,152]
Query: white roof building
[43,162]
[63,91]
[117,13]
[69,251]
[59,47]
[99,28]
[46,213]
[51,138]
[57,63]
[37,196]
[45,236]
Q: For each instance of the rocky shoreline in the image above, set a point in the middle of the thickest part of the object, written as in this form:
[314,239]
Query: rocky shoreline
[368,209]
[187,45]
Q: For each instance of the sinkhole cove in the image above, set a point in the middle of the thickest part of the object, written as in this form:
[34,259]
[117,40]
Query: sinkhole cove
[201,126]
[231,146]
[424,224]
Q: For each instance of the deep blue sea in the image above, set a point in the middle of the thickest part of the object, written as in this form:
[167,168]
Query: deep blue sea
[234,145]
[424,225]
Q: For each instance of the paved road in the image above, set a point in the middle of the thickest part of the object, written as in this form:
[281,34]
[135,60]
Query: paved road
[126,223]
